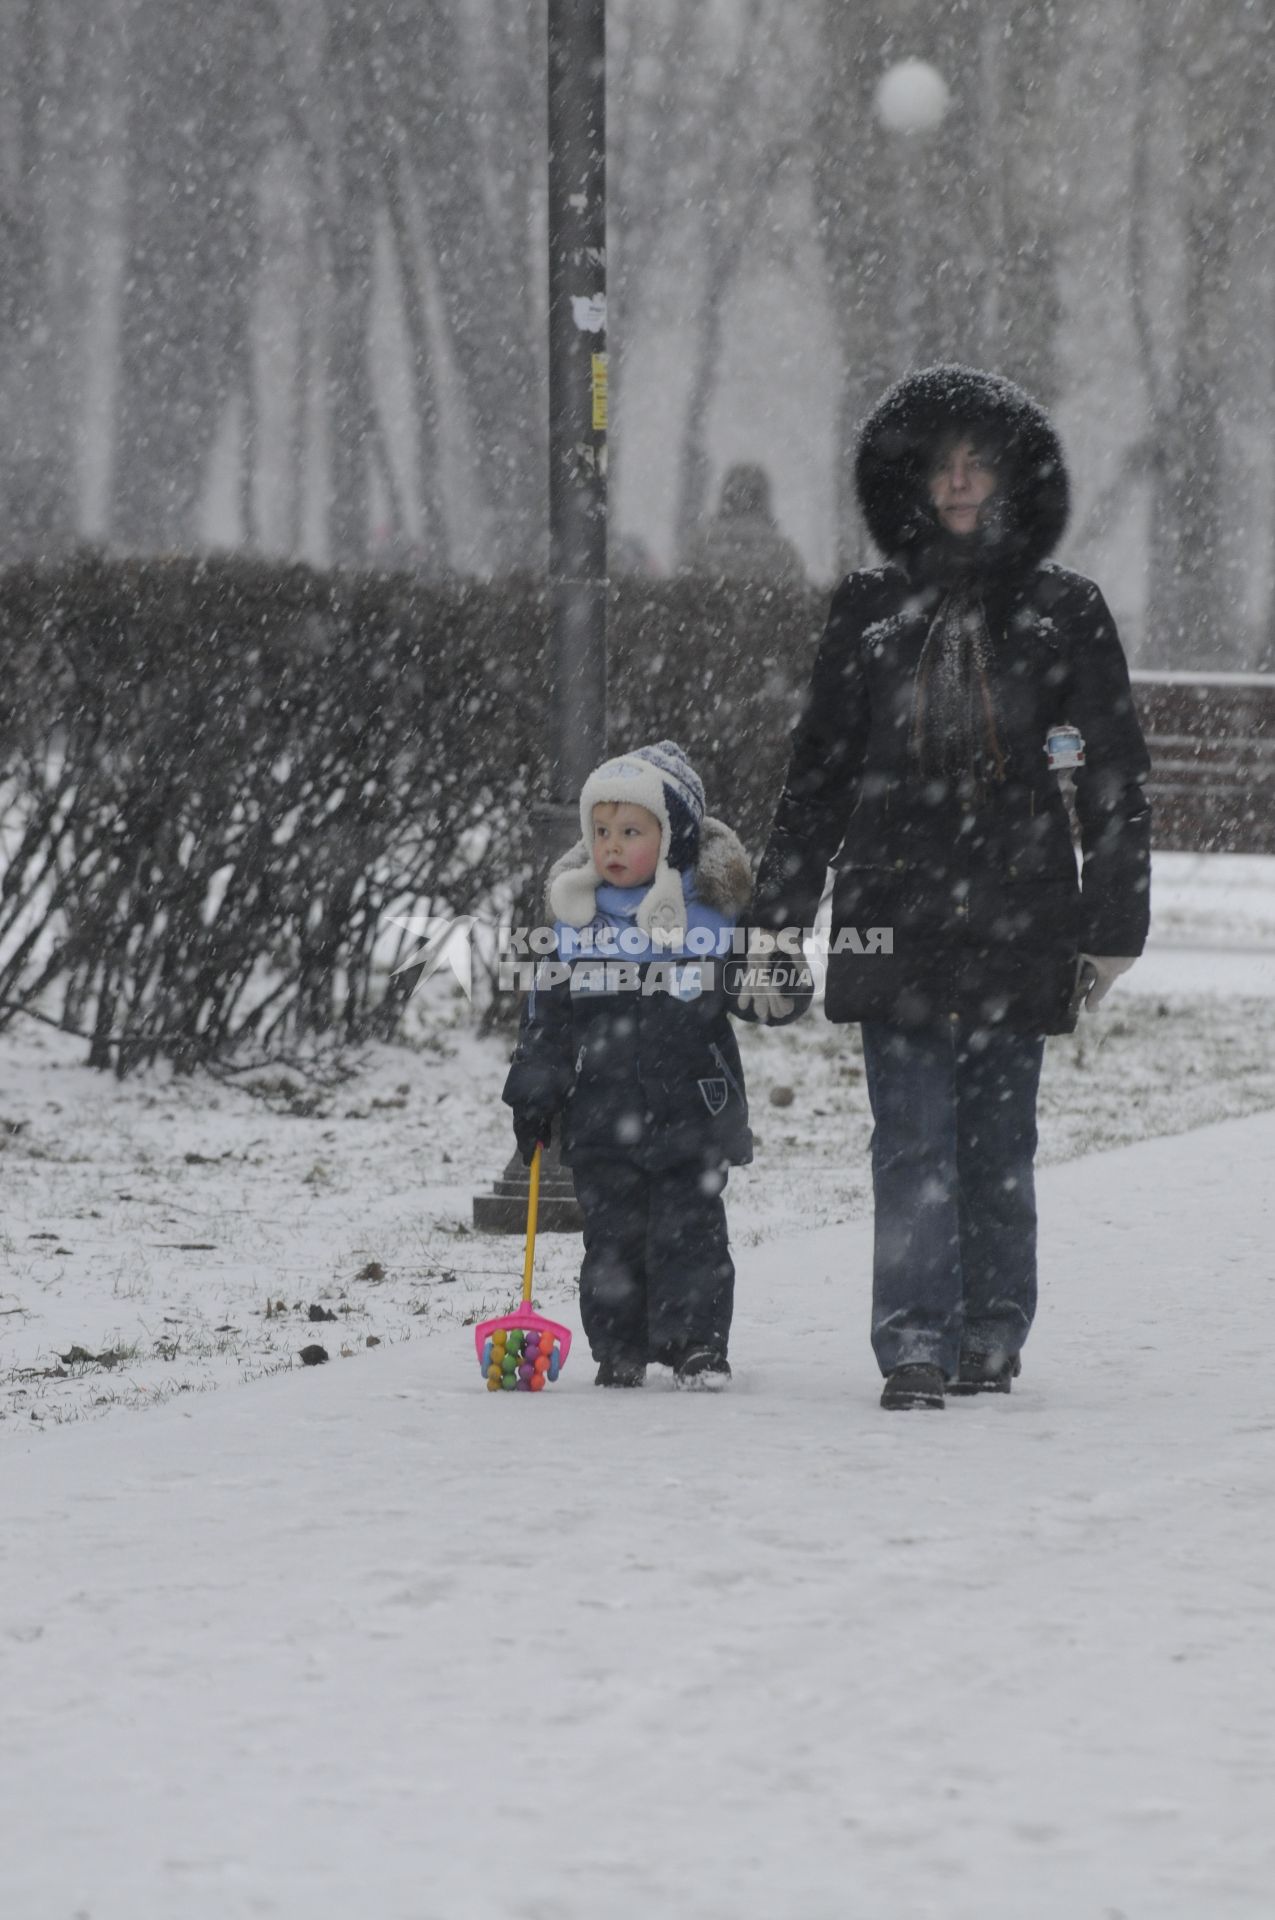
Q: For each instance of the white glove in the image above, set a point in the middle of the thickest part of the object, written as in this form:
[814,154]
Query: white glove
[761,999]
[1101,971]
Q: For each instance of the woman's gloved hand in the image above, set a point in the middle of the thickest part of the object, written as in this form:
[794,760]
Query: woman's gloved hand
[1096,975]
[530,1128]
[769,987]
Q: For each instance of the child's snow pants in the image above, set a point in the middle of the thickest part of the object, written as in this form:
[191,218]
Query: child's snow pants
[657,1279]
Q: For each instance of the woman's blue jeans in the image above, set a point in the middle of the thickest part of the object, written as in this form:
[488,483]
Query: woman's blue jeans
[954,1257]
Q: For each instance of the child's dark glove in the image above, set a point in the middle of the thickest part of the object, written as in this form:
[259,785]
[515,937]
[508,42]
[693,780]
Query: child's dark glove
[530,1128]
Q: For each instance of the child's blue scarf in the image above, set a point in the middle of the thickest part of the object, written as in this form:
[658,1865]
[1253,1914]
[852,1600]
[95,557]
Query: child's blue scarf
[614,934]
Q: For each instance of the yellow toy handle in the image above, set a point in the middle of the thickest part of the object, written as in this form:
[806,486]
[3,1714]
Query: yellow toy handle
[533,1208]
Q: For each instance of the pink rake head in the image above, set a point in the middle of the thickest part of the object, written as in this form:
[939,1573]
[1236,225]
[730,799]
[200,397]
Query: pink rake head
[524,1321]
[521,1351]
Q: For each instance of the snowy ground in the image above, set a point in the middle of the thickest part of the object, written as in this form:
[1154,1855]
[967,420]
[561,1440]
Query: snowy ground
[363,1638]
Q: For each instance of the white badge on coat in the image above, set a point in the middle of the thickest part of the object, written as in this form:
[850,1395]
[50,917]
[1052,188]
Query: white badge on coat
[1065,748]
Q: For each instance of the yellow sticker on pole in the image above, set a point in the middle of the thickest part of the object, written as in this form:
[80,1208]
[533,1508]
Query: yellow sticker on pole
[599,392]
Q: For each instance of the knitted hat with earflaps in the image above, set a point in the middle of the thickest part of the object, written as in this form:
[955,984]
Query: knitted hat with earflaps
[661,779]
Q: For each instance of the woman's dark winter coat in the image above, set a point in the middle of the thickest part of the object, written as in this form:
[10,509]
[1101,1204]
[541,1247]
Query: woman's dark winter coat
[646,1076]
[980,889]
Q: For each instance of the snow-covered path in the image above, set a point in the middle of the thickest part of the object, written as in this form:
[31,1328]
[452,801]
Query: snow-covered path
[369,1640]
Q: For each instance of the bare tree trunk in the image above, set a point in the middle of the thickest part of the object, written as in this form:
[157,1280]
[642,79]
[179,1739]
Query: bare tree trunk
[36,508]
[478,229]
[735,193]
[1153,98]
[1226,68]
[411,238]
[411,243]
[515,196]
[240,354]
[305,378]
[302,104]
[660,136]
[350,231]
[1029,303]
[856,203]
[190,144]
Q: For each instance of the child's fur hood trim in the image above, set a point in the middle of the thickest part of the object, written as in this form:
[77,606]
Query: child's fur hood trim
[723,877]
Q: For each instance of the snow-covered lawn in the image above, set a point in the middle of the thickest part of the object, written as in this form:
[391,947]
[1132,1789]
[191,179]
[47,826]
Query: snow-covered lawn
[365,1639]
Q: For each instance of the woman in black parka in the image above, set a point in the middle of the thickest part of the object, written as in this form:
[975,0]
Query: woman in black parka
[920,769]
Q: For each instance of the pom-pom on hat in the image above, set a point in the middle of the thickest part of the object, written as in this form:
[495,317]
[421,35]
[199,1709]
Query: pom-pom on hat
[661,779]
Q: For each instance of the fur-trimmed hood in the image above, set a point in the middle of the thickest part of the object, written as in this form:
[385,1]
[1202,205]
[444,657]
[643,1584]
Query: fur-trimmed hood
[1032,497]
[722,876]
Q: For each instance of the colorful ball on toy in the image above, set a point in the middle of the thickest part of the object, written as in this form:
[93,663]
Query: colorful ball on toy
[493,1383]
[536,1383]
[508,1382]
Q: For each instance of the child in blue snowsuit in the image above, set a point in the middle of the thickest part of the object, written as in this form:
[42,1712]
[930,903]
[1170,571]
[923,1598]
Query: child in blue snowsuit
[626,1044]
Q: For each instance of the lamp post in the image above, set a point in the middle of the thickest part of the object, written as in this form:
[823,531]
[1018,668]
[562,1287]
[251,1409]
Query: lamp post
[577,492]
[577,391]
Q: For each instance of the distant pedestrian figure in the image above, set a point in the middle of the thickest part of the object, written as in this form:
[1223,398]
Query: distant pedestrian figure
[628,555]
[743,541]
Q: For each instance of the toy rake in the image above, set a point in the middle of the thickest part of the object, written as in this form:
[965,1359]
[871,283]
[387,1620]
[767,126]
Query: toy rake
[522,1351]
